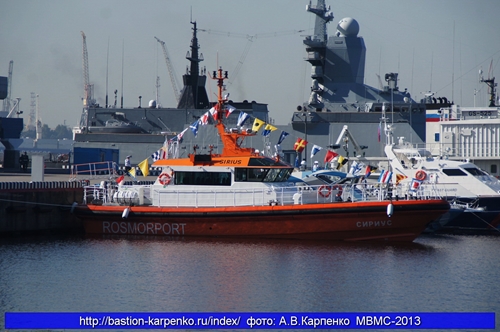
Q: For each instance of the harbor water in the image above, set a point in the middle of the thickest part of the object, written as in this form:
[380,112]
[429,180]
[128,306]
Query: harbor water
[445,273]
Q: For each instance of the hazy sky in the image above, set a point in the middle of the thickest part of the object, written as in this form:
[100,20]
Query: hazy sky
[432,44]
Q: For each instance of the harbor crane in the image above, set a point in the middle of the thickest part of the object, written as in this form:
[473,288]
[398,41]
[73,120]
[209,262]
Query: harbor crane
[7,101]
[87,87]
[171,71]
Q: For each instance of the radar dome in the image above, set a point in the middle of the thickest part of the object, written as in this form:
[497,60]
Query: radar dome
[347,27]
[152,103]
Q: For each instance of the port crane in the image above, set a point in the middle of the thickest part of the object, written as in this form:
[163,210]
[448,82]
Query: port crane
[87,87]
[7,101]
[171,71]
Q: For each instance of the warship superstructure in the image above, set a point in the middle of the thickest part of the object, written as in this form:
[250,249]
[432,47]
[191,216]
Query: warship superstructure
[339,96]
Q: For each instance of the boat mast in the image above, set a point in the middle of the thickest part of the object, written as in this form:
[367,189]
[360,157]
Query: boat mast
[220,87]
[231,140]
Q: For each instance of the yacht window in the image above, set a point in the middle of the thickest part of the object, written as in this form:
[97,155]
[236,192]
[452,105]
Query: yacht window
[203,178]
[454,172]
[474,171]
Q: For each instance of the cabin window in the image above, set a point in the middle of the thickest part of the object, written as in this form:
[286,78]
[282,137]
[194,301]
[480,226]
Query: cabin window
[454,172]
[272,174]
[265,162]
[203,178]
[262,174]
[284,175]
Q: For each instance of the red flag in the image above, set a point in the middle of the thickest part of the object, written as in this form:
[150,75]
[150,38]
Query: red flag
[214,111]
[120,179]
[330,155]
[299,145]
[368,170]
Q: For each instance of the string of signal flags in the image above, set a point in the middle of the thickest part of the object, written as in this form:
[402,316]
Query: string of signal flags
[258,124]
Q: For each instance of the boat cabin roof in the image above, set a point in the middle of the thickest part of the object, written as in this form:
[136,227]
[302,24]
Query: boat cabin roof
[221,161]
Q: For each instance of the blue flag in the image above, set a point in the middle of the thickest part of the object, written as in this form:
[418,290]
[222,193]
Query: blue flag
[282,136]
[194,127]
[242,118]
[315,150]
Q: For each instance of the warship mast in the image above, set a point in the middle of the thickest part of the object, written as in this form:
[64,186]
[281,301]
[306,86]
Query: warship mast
[194,94]
[316,49]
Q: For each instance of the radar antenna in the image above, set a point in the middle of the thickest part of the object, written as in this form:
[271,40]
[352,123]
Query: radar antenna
[491,85]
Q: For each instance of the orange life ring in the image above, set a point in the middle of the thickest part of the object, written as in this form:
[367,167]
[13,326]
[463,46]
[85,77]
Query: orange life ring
[421,175]
[325,191]
[164,179]
[338,188]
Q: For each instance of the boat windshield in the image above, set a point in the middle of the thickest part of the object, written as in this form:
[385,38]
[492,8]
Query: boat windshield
[262,174]
[265,162]
[474,171]
[484,177]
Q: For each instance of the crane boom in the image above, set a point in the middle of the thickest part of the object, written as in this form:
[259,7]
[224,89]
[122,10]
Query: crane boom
[171,71]
[86,84]
[346,136]
[7,101]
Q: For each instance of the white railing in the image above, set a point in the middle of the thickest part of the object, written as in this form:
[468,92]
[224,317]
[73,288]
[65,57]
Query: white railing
[209,197]
[88,171]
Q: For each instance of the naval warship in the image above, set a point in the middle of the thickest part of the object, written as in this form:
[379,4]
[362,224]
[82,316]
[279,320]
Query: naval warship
[145,129]
[10,126]
[338,97]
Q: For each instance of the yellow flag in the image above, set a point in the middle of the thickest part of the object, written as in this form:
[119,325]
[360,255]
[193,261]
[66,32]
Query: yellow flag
[257,124]
[400,177]
[270,127]
[340,162]
[132,172]
[144,167]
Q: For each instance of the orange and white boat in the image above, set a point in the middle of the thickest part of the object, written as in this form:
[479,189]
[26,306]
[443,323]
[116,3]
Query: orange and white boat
[241,193]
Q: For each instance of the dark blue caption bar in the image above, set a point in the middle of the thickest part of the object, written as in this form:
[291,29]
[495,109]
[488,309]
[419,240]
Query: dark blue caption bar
[249,320]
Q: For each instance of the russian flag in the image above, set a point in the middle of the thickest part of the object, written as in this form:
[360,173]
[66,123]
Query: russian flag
[432,117]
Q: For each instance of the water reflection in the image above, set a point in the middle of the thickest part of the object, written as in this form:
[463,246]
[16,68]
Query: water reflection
[124,273]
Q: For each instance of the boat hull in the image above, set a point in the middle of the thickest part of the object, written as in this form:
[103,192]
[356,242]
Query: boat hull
[483,220]
[474,222]
[334,221]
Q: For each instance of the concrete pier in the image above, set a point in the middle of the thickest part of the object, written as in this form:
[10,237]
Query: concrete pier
[43,207]
[28,207]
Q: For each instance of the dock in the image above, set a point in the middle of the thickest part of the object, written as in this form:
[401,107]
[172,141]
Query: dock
[42,207]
